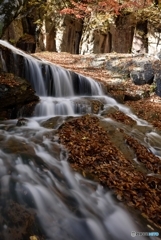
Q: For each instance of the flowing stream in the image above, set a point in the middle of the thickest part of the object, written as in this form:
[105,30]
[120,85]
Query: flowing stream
[34,170]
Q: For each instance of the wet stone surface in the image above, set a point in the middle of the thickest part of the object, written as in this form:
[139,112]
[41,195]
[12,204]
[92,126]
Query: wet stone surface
[17,222]
[15,93]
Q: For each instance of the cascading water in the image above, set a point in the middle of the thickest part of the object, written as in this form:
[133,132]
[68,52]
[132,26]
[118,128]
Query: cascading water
[33,167]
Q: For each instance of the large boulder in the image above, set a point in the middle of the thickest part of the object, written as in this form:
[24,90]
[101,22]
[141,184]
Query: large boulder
[144,75]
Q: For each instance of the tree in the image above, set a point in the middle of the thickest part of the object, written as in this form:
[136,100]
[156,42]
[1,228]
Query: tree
[100,9]
[84,8]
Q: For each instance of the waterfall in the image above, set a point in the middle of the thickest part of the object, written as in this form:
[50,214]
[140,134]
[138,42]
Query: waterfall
[34,171]
[51,82]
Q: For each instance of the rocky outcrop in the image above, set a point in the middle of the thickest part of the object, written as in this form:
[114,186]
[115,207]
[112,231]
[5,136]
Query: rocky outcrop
[99,34]
[21,32]
[114,35]
[14,31]
[16,95]
[62,34]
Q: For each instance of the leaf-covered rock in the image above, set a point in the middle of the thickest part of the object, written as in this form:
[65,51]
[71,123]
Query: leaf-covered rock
[93,154]
[15,93]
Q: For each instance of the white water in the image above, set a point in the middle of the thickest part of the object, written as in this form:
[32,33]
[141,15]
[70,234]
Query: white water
[68,206]
[34,164]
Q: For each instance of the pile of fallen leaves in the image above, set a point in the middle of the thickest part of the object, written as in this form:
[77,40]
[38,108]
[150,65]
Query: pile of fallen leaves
[8,79]
[148,109]
[92,153]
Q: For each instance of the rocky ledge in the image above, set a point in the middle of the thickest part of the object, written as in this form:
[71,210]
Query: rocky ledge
[16,95]
[119,73]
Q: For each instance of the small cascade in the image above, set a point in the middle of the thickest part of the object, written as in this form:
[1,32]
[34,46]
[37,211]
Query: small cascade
[49,106]
[51,82]
[35,77]
[48,79]
[34,172]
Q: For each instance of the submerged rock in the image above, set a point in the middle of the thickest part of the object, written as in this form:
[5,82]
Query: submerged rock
[18,222]
[54,122]
[22,122]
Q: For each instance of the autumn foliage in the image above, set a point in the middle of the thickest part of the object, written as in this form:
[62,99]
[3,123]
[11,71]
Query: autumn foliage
[84,8]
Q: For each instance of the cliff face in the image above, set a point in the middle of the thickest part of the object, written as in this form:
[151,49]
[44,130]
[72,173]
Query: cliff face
[123,34]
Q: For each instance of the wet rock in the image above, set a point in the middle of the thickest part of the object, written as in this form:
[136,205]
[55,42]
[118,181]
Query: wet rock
[15,92]
[27,110]
[22,122]
[15,146]
[18,222]
[53,123]
[110,110]
[87,105]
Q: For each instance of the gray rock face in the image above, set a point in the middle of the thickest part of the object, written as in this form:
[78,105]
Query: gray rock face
[137,77]
[158,86]
[122,34]
[144,76]
[157,81]
[68,33]
[148,73]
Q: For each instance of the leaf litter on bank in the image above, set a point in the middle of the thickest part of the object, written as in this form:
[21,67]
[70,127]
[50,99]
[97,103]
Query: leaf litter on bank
[92,153]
